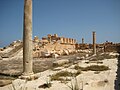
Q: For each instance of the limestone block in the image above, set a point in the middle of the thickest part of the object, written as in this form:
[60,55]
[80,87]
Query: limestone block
[45,54]
[80,58]
[0,58]
[59,52]
[65,52]
[55,55]
[5,82]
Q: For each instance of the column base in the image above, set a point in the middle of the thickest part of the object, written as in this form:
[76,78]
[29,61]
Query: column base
[94,54]
[28,77]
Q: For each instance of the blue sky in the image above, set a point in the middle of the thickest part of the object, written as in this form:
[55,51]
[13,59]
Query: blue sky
[70,18]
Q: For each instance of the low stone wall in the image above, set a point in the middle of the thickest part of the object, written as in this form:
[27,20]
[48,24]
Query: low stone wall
[112,48]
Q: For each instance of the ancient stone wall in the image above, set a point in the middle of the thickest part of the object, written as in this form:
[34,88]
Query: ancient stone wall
[112,48]
[54,44]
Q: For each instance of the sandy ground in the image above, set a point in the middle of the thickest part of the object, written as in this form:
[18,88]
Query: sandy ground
[87,80]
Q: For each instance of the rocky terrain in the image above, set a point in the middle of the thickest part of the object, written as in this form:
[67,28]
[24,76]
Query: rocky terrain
[79,71]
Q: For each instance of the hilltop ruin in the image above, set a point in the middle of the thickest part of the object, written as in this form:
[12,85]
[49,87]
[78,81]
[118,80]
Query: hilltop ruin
[53,45]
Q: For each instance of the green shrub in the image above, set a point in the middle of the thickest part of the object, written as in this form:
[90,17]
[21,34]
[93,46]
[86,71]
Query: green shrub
[45,85]
[64,73]
[93,68]
[96,72]
[56,77]
[105,56]
[100,62]
[59,76]
[80,68]
[97,68]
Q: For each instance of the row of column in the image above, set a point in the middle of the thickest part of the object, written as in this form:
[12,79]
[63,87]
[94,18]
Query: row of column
[62,39]
[68,40]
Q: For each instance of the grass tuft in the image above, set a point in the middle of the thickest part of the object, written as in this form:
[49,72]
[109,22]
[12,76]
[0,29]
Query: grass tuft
[92,68]
[59,76]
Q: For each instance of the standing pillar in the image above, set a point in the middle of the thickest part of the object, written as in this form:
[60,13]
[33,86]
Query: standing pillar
[82,40]
[94,43]
[27,41]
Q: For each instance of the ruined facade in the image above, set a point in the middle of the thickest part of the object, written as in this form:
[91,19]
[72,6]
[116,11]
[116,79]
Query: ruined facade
[55,38]
[111,47]
[82,46]
[53,44]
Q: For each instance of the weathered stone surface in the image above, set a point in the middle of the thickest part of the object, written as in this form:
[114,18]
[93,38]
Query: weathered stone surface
[0,58]
[80,58]
[45,54]
[94,43]
[60,62]
[54,44]
[27,40]
[54,55]
[55,47]
[5,82]
[65,52]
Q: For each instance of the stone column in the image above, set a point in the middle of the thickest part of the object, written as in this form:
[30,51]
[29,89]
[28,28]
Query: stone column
[94,43]
[65,40]
[72,41]
[69,40]
[27,40]
[82,40]
[75,41]
[61,39]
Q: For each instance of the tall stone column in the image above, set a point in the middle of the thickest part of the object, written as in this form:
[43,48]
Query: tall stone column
[82,40]
[94,43]
[27,40]
[72,41]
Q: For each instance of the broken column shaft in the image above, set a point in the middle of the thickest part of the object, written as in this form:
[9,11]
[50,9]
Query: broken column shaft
[94,43]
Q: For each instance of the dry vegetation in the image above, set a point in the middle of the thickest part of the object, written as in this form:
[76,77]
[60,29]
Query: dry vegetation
[13,68]
[46,85]
[59,76]
[103,56]
[92,68]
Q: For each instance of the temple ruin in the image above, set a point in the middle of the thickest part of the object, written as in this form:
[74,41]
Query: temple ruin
[53,44]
